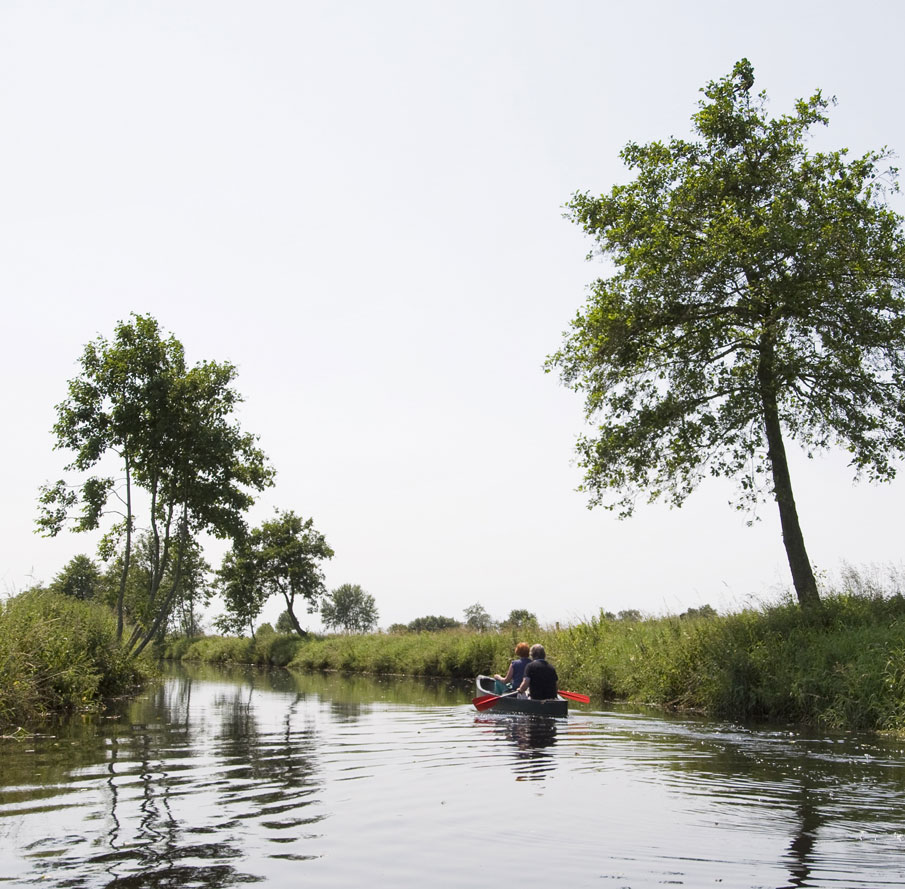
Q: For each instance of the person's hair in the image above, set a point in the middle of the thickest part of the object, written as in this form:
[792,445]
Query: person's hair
[522,650]
[538,653]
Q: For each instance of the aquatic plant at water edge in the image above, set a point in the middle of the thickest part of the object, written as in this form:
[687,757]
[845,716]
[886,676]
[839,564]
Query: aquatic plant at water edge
[59,654]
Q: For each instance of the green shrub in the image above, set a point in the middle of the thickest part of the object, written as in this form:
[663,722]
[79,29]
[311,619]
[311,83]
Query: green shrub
[59,654]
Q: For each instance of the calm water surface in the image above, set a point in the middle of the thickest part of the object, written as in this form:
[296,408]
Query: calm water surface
[225,778]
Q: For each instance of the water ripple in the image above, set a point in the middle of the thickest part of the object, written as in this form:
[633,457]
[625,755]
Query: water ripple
[215,783]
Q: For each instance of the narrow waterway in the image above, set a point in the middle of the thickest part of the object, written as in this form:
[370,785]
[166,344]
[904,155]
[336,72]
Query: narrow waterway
[220,778]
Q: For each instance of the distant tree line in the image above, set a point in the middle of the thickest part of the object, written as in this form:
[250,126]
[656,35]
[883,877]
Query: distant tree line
[476,618]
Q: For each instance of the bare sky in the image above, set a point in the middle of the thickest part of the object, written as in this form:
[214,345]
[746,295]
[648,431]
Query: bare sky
[360,205]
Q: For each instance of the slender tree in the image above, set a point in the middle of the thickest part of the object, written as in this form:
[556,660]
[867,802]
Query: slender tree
[757,297]
[172,429]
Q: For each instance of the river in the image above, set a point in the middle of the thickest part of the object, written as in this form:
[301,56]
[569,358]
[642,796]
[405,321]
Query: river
[219,778]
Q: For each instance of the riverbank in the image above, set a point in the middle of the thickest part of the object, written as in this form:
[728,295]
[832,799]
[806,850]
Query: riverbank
[58,655]
[841,667]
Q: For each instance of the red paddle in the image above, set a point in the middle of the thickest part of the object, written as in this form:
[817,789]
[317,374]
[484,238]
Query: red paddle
[575,696]
[488,701]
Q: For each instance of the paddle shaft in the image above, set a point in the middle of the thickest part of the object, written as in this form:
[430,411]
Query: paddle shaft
[488,701]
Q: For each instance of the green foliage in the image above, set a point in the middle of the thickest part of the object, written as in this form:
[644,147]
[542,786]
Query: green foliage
[215,650]
[172,429]
[703,611]
[243,597]
[841,666]
[431,623]
[135,599]
[80,578]
[281,557]
[284,623]
[453,653]
[59,654]
[477,618]
[519,619]
[757,295]
[349,608]
[266,649]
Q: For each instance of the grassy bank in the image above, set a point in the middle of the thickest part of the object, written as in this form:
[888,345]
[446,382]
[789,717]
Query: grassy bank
[840,667]
[448,653]
[58,655]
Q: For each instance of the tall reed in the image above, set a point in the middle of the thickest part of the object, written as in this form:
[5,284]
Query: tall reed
[59,654]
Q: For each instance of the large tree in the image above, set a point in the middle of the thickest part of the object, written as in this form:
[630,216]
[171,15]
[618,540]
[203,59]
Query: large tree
[756,297]
[280,557]
[171,430]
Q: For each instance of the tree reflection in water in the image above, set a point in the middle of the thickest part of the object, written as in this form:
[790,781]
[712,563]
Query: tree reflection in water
[237,772]
[238,777]
[801,849]
[144,774]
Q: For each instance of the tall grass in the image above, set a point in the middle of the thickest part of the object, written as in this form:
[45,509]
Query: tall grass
[839,666]
[842,666]
[58,654]
[448,653]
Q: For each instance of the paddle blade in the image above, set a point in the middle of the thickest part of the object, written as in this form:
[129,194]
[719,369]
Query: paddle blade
[574,696]
[483,698]
[486,702]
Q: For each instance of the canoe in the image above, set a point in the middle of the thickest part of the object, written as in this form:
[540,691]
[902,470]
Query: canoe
[556,707]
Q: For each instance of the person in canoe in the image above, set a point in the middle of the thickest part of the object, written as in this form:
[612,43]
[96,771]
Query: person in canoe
[513,678]
[540,680]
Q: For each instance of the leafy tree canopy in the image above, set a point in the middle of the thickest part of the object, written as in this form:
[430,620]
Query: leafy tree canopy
[193,589]
[281,557]
[284,623]
[520,618]
[756,296]
[172,430]
[80,578]
[477,618]
[349,608]
[431,623]
[703,611]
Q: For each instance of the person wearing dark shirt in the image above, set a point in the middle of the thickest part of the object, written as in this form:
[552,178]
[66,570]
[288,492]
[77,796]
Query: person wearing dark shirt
[541,681]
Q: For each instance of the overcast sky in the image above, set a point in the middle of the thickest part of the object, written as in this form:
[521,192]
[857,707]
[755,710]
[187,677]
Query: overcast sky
[360,205]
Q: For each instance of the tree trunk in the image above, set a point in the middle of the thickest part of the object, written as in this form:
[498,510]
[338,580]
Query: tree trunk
[293,619]
[163,611]
[799,563]
[121,595]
